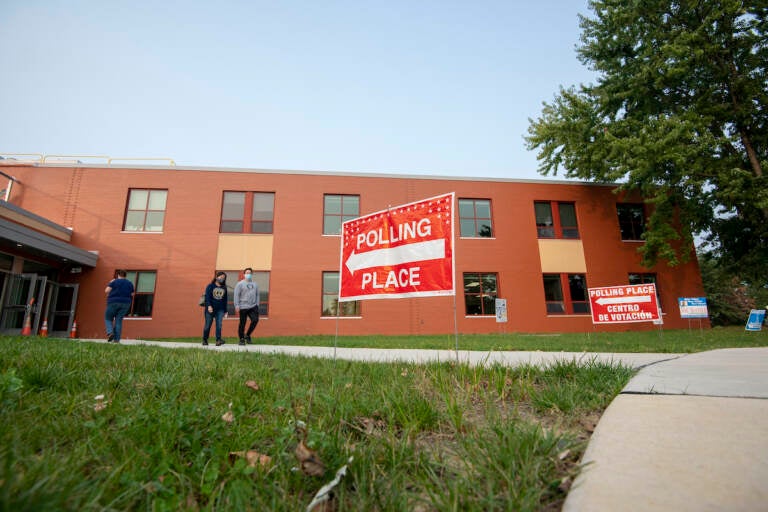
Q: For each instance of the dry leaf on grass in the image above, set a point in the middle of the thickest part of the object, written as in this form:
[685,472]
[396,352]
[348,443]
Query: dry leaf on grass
[191,502]
[252,384]
[322,500]
[325,506]
[372,425]
[228,416]
[366,425]
[100,404]
[309,461]
[254,458]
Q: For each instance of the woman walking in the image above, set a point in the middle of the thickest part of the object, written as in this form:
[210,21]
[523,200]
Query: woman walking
[215,306]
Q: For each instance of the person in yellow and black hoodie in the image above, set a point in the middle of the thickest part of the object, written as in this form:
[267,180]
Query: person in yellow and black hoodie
[215,306]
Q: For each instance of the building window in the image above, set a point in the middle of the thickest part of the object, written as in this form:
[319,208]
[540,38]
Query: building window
[338,209]
[144,291]
[480,292]
[556,220]
[645,278]
[631,220]
[566,294]
[247,212]
[146,210]
[261,278]
[331,304]
[475,218]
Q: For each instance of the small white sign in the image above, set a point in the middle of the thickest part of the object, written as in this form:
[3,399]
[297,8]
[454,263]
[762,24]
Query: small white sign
[501,310]
[693,307]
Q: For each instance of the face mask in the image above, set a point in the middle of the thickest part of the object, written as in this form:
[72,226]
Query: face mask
[249,276]
[219,279]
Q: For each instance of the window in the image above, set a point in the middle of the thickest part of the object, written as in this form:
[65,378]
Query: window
[146,210]
[573,302]
[645,278]
[631,221]
[556,220]
[338,209]
[261,278]
[641,278]
[330,299]
[475,218]
[260,208]
[553,294]
[144,291]
[480,292]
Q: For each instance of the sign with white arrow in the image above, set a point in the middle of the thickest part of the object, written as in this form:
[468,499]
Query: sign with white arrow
[621,304]
[404,251]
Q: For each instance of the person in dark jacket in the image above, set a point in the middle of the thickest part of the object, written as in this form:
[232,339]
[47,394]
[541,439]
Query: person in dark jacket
[119,293]
[215,306]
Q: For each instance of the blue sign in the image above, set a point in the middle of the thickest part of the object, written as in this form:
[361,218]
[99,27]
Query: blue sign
[693,307]
[755,320]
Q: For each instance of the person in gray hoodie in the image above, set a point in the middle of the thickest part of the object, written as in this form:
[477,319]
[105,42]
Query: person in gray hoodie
[247,305]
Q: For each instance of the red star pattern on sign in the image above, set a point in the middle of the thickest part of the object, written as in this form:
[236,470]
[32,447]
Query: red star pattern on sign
[403,251]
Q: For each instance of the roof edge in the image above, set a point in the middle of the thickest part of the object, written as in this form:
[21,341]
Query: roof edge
[357,174]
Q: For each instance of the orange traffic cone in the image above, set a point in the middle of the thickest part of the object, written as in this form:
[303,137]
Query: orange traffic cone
[73,332]
[44,329]
[27,329]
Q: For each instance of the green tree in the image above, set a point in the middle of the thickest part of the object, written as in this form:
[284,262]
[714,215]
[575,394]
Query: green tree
[728,297]
[678,113]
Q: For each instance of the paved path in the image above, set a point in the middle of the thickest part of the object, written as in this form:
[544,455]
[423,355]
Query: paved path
[688,433]
[472,357]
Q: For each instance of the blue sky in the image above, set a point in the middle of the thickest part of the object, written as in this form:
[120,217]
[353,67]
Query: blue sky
[415,87]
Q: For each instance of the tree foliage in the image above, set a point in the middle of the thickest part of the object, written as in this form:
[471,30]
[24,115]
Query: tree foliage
[678,113]
[729,297]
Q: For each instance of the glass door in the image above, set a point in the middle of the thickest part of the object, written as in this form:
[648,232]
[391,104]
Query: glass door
[61,309]
[22,294]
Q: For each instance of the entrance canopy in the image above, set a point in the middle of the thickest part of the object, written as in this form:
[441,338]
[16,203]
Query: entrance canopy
[23,232]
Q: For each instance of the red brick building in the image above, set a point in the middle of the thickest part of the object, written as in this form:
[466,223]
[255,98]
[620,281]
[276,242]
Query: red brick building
[537,244]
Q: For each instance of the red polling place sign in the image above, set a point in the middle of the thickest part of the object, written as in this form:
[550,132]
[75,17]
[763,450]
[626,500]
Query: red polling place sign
[404,251]
[620,304]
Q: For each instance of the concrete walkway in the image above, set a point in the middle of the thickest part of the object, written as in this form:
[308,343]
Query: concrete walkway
[471,357]
[688,433]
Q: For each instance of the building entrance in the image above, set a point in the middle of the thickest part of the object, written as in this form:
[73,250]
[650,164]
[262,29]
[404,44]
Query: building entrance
[43,300]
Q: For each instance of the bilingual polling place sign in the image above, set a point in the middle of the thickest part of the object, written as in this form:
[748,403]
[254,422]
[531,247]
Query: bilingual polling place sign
[622,304]
[403,251]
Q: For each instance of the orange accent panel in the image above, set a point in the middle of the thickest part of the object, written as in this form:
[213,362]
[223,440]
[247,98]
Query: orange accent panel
[237,252]
[559,256]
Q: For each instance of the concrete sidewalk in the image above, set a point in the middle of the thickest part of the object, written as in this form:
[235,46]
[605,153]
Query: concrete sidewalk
[471,357]
[688,433]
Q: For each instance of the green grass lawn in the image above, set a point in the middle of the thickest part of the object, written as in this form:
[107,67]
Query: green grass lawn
[667,341]
[420,437]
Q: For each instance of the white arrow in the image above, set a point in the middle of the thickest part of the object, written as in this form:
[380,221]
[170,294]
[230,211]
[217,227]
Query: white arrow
[623,300]
[429,250]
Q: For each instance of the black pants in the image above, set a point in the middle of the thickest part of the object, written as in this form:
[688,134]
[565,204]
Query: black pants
[253,314]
